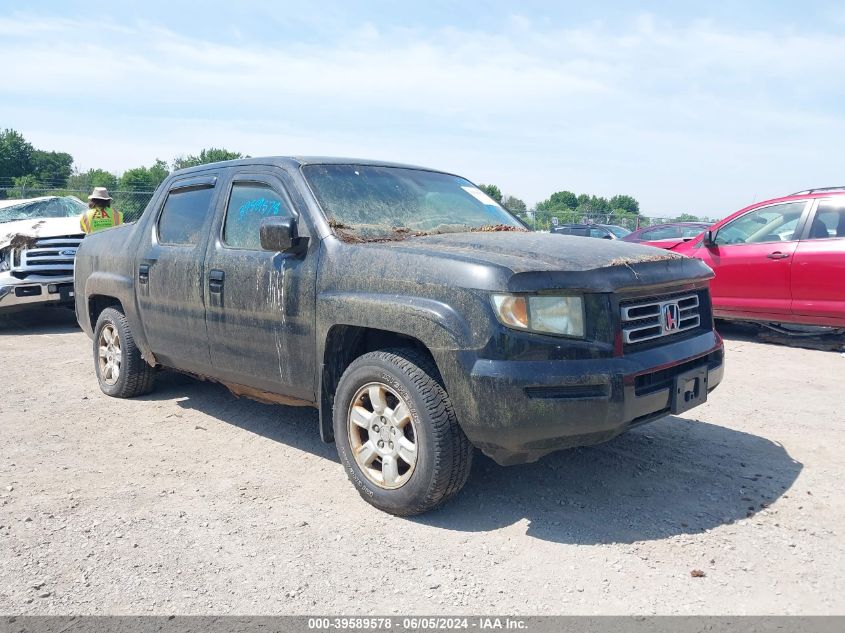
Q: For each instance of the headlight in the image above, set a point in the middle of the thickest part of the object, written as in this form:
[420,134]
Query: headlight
[551,315]
[5,256]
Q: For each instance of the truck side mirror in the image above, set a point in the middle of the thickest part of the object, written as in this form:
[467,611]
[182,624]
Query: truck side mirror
[278,234]
[709,239]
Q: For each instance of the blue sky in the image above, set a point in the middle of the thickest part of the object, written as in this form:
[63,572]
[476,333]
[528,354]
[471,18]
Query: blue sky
[699,107]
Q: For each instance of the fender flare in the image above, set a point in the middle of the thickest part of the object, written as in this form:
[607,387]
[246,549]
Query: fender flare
[437,325]
[120,287]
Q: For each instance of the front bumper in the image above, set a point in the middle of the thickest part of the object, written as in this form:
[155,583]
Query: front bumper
[519,411]
[28,293]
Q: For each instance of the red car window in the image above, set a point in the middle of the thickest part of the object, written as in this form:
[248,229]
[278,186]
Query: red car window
[775,223]
[661,233]
[829,221]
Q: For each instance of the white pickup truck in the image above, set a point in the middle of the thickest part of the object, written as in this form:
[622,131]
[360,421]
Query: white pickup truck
[38,242]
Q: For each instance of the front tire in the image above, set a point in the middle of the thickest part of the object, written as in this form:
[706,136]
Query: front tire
[397,435]
[121,371]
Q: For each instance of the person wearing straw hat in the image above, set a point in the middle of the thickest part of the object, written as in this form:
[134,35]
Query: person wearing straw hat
[99,215]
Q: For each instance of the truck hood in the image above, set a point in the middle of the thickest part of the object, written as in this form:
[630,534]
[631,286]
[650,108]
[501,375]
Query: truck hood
[23,231]
[531,252]
[538,261]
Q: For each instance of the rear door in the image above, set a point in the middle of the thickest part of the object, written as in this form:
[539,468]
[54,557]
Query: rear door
[261,305]
[168,277]
[752,259]
[818,269]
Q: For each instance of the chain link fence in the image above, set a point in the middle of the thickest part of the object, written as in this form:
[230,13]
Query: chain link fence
[544,221]
[130,203]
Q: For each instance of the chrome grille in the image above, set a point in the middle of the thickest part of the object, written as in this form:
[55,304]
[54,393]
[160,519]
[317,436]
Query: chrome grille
[653,318]
[49,257]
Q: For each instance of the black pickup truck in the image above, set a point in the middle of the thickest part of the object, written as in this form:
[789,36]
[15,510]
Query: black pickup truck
[420,317]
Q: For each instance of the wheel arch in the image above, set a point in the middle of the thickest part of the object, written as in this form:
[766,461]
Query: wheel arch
[345,343]
[118,289]
[98,303]
[382,321]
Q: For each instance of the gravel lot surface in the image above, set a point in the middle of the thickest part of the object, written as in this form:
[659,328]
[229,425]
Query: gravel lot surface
[192,501]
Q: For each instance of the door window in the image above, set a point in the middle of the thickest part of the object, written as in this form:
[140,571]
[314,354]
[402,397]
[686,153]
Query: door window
[829,221]
[183,215]
[776,223]
[661,233]
[692,231]
[249,204]
[598,232]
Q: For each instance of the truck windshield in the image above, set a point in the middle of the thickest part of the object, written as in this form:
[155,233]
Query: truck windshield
[364,202]
[37,208]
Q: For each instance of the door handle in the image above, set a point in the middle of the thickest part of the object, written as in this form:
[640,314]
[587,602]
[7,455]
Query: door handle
[143,273]
[777,255]
[215,281]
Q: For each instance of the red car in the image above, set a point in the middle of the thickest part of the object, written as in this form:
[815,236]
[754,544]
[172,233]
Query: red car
[779,261]
[667,235]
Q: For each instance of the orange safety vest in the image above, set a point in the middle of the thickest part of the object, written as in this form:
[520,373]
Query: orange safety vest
[97,219]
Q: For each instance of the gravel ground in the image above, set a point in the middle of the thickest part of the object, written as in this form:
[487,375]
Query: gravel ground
[192,501]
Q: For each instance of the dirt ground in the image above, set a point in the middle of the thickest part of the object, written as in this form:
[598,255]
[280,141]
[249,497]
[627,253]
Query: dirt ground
[191,501]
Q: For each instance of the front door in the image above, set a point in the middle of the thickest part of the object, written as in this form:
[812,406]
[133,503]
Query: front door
[752,259]
[260,304]
[168,277]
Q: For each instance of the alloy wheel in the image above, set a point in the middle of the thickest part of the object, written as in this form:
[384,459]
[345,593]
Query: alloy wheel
[382,435]
[109,354]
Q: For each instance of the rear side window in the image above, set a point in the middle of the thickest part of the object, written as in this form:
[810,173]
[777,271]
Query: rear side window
[662,233]
[183,216]
[692,231]
[829,221]
[248,205]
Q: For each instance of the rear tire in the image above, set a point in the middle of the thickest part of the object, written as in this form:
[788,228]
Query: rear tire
[121,371]
[397,435]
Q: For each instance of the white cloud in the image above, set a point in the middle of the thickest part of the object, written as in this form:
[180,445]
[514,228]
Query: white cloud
[651,109]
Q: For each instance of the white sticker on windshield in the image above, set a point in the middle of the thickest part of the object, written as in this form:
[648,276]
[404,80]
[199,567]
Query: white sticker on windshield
[479,195]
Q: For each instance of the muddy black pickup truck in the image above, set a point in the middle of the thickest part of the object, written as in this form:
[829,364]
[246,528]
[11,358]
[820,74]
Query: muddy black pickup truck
[417,315]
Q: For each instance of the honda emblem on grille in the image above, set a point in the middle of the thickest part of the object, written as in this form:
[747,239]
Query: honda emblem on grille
[671,317]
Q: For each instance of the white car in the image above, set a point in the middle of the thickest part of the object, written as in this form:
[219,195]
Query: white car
[38,242]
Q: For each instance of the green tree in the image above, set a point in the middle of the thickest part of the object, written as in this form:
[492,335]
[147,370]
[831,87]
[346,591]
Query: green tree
[144,178]
[136,187]
[622,217]
[687,217]
[563,200]
[52,168]
[543,216]
[25,187]
[208,155]
[598,204]
[493,191]
[628,203]
[513,204]
[560,204]
[33,168]
[92,178]
[15,157]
